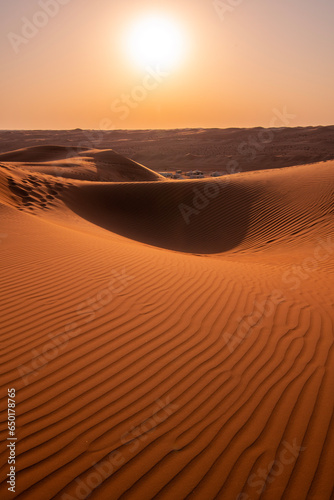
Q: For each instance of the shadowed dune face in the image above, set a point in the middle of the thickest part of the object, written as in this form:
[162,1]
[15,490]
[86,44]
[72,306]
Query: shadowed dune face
[249,211]
[195,217]
[123,169]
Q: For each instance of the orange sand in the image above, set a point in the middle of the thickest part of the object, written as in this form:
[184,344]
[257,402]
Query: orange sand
[166,339]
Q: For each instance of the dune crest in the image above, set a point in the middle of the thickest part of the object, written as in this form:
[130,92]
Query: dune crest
[79,163]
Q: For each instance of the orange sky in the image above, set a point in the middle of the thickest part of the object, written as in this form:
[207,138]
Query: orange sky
[242,60]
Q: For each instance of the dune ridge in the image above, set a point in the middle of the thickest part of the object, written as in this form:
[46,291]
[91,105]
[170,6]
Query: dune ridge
[209,150]
[160,357]
[79,163]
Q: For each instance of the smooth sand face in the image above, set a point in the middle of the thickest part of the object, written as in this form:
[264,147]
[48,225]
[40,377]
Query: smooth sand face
[166,339]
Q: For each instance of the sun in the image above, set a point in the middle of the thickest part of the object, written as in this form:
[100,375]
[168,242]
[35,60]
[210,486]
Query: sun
[156,40]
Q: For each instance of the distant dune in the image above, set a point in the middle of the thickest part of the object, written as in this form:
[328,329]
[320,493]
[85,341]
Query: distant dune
[80,163]
[208,150]
[37,154]
[166,339]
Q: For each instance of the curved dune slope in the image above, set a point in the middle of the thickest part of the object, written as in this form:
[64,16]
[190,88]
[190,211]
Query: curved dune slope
[38,154]
[145,373]
[79,163]
[212,216]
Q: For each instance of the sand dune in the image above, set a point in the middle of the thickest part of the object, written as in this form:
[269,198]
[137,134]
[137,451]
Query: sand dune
[212,216]
[167,339]
[76,163]
[37,154]
[204,149]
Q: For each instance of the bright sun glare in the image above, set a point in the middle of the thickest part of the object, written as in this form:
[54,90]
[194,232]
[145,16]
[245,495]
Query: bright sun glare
[156,40]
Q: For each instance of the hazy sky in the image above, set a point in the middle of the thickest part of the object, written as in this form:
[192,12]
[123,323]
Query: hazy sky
[80,63]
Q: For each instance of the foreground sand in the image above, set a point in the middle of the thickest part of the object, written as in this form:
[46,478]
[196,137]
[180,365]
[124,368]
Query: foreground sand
[167,339]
